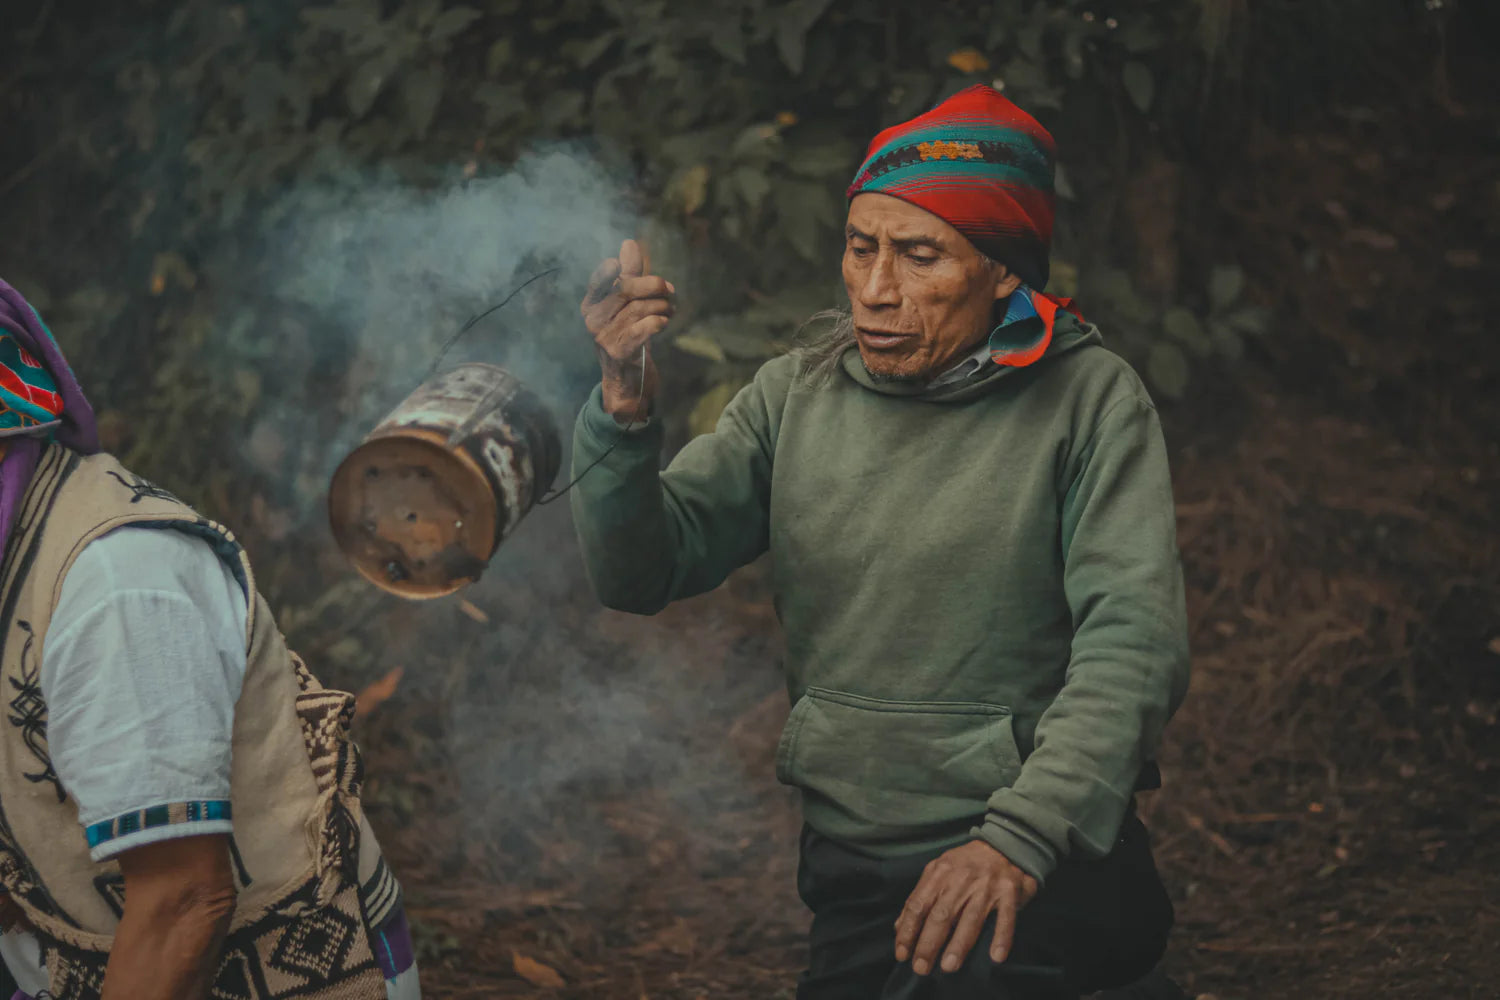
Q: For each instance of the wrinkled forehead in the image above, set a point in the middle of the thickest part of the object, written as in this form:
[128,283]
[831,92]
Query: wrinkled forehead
[886,217]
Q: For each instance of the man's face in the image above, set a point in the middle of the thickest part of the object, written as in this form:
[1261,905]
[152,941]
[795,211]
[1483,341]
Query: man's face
[923,296]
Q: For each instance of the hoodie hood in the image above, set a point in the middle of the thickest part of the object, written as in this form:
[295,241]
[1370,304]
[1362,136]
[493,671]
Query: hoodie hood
[1068,334]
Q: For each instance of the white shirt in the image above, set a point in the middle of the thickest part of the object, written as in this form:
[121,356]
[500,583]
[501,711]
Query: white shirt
[141,669]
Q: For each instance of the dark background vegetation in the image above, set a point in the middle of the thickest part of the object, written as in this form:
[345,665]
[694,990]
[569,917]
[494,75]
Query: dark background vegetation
[1283,212]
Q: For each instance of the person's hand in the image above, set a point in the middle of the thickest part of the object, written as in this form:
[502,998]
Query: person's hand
[959,890]
[623,309]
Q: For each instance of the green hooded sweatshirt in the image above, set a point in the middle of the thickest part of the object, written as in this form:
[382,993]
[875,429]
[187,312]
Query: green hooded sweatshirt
[979,585]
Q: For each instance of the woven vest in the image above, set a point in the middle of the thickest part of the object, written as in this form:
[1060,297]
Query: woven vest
[308,871]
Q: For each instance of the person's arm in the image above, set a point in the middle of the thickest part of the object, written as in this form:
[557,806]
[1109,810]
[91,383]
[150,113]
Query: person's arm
[179,898]
[651,537]
[144,662]
[1128,670]
[1127,674]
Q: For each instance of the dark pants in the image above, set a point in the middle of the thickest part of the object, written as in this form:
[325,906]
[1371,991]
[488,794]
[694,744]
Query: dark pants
[1095,925]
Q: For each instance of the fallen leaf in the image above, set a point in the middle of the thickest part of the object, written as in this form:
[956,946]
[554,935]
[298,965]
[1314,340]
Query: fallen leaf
[368,699]
[535,972]
[1494,646]
[473,611]
[786,119]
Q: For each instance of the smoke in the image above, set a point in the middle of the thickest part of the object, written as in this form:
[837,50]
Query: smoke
[385,273]
[545,712]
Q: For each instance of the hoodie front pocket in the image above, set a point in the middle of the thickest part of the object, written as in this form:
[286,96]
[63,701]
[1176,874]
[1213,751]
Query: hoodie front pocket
[873,770]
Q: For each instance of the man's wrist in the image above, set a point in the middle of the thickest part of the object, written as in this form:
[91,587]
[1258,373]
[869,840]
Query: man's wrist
[1034,857]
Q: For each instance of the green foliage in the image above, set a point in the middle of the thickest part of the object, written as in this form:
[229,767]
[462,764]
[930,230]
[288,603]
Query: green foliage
[743,119]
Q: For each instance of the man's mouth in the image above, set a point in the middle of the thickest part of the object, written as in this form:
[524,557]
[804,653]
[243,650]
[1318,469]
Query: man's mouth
[882,340]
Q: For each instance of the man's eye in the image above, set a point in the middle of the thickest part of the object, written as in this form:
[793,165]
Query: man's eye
[860,251]
[917,258]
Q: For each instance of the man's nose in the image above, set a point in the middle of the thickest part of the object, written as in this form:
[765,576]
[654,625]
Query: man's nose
[880,287]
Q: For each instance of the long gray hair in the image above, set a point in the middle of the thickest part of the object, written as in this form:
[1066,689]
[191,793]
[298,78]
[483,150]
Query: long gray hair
[821,341]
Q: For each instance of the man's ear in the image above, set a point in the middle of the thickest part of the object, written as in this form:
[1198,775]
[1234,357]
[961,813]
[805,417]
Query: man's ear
[1005,282]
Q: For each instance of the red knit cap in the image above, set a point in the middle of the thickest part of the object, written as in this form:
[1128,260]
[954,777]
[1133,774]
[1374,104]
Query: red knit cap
[982,165]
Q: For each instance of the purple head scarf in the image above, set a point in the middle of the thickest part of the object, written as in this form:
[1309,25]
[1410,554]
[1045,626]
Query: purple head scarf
[77,430]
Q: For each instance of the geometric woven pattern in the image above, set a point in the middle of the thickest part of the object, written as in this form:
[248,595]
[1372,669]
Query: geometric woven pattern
[317,945]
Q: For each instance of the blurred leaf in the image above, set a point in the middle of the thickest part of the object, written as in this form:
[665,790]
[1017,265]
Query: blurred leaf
[1139,84]
[710,406]
[1225,284]
[1214,21]
[353,22]
[754,140]
[1182,326]
[564,107]
[172,265]
[366,83]
[1061,184]
[1138,35]
[535,972]
[795,21]
[823,159]
[805,214]
[1063,278]
[968,60]
[701,346]
[727,37]
[1073,54]
[691,188]
[501,102]
[1167,368]
[421,90]
[752,185]
[376,694]
[498,56]
[584,54]
[1023,75]
[451,22]
[1226,341]
[1250,320]
[264,83]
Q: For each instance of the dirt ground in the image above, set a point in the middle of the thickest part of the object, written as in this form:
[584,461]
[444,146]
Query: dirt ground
[597,816]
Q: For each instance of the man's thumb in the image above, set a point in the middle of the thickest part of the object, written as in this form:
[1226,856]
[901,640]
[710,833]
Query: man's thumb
[632,261]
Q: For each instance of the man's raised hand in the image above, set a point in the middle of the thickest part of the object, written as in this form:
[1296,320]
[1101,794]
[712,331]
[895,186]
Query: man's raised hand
[947,910]
[623,309]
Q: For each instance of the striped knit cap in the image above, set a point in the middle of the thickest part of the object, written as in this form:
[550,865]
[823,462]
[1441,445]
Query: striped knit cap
[982,165]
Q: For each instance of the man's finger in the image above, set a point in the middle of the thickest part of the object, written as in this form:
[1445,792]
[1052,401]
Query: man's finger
[966,934]
[650,286]
[938,926]
[641,308]
[601,282]
[909,922]
[1005,922]
[625,347]
[644,329]
[632,261]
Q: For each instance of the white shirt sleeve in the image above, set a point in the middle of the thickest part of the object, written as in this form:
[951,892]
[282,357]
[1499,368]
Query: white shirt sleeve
[141,667]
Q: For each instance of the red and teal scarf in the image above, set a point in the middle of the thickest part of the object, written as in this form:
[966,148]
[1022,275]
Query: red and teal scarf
[40,400]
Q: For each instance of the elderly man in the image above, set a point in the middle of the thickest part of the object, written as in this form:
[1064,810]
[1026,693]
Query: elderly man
[968,509]
[179,799]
